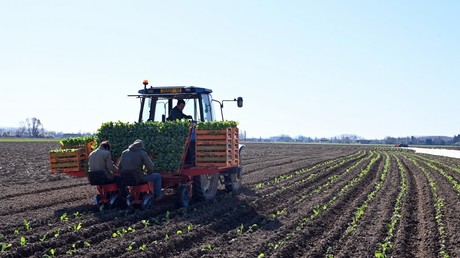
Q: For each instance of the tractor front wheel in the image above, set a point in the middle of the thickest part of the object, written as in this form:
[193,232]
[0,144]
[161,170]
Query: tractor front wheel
[205,186]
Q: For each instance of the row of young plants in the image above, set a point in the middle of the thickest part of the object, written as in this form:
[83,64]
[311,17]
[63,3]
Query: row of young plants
[149,245]
[439,203]
[146,234]
[37,225]
[452,165]
[81,232]
[81,243]
[308,172]
[385,247]
[32,238]
[249,227]
[7,242]
[319,209]
[76,226]
[176,228]
[143,235]
[433,165]
[361,210]
[281,210]
[259,222]
[331,180]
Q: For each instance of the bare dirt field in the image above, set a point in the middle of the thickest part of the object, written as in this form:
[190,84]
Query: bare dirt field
[298,200]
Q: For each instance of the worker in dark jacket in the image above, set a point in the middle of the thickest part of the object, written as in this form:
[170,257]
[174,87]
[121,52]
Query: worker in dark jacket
[134,159]
[100,161]
[176,112]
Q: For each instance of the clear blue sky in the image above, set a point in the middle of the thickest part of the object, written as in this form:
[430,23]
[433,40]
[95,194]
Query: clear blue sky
[312,68]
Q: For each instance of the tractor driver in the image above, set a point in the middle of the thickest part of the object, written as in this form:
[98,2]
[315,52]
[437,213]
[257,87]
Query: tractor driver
[133,159]
[176,112]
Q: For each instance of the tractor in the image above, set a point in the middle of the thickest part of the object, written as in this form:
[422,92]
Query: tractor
[198,178]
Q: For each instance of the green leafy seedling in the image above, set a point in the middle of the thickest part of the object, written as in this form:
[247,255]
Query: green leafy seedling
[23,240]
[239,231]
[146,222]
[64,217]
[168,215]
[27,225]
[56,232]
[6,246]
[130,247]
[43,238]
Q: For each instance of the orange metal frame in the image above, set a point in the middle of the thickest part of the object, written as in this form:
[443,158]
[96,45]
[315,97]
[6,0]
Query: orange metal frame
[104,189]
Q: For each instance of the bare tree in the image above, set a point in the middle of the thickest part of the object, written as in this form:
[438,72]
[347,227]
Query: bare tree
[21,130]
[34,127]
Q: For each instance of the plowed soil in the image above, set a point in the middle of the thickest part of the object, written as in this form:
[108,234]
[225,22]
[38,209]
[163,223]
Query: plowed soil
[298,200]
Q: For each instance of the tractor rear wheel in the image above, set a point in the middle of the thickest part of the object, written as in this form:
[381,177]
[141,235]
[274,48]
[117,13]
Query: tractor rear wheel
[205,187]
[233,181]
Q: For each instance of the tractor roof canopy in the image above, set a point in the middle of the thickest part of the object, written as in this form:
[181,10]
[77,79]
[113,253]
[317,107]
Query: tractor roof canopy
[172,91]
[157,102]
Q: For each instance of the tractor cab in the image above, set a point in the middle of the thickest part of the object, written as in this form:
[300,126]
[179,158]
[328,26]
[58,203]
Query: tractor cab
[157,102]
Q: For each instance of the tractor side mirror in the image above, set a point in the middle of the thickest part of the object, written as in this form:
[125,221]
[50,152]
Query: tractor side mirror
[239,101]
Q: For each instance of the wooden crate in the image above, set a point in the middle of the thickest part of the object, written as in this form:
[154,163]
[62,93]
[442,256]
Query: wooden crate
[69,161]
[217,148]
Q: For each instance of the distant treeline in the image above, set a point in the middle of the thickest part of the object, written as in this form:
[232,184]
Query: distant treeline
[410,140]
[344,138]
[16,133]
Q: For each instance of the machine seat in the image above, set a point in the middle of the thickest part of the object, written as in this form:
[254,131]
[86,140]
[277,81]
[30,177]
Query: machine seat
[133,177]
[100,177]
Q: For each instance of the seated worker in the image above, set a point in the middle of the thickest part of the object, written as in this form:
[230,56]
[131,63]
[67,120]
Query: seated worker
[133,159]
[176,112]
[100,161]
